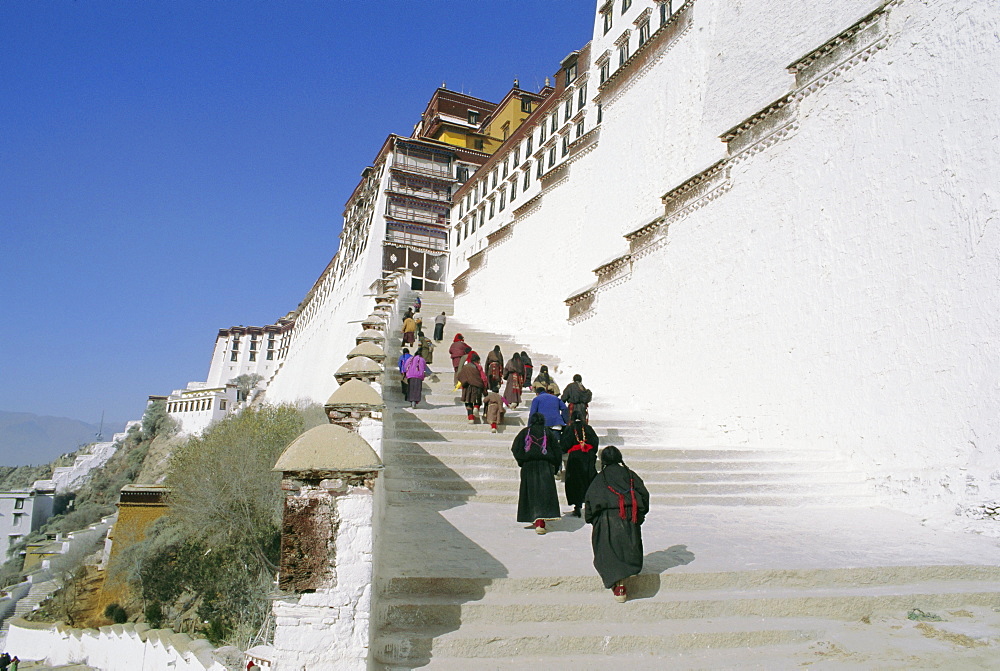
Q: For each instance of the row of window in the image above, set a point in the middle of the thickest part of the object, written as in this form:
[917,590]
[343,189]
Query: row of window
[194,405]
[550,124]
[235,355]
[623,42]
[498,202]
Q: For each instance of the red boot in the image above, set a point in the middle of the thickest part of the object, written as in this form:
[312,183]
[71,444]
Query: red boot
[540,527]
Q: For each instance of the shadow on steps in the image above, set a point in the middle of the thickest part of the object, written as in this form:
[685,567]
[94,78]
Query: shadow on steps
[421,557]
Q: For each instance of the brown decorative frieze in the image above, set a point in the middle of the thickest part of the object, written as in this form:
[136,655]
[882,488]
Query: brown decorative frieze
[860,37]
[696,187]
[554,175]
[758,126]
[585,142]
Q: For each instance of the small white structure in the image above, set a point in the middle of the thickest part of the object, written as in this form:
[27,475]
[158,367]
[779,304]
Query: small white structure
[198,406]
[23,511]
[245,350]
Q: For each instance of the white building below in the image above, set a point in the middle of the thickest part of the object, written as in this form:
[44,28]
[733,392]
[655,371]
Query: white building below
[23,511]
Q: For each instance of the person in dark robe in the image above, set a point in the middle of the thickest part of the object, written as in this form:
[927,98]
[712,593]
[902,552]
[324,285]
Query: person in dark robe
[403,358]
[415,370]
[473,381]
[579,448]
[543,379]
[616,505]
[458,349]
[536,450]
[577,398]
[513,373]
[494,368]
[439,323]
[528,368]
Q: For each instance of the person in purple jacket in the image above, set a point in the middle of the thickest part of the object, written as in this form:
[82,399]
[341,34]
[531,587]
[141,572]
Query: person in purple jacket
[414,371]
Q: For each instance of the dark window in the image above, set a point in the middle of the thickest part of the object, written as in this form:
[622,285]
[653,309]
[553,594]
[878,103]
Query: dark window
[526,104]
[473,116]
[579,129]
[492,203]
[479,144]
[503,197]
[569,108]
[600,113]
[253,356]
[605,71]
[517,156]
[623,53]
[541,133]
[625,5]
[565,145]
[527,177]
[582,98]
[541,168]
[462,173]
[527,145]
[505,168]
[552,156]
[253,345]
[270,355]
[18,504]
[235,355]
[664,12]
[607,21]
[570,74]
[554,126]
[643,33]
[513,189]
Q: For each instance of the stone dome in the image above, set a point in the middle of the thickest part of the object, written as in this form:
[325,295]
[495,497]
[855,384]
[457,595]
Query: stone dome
[368,349]
[371,335]
[355,393]
[329,447]
[359,364]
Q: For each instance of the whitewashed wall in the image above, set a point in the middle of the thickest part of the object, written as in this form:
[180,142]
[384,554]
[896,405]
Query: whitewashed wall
[318,348]
[839,290]
[120,647]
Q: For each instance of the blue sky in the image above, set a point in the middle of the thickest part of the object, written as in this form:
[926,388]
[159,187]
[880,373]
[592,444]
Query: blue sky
[169,168]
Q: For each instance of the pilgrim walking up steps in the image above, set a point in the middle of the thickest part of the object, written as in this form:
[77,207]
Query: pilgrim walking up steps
[460,584]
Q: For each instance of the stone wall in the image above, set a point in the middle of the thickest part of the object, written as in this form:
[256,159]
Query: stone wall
[825,276]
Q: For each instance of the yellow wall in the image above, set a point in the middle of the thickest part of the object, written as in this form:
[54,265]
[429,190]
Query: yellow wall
[133,520]
[510,113]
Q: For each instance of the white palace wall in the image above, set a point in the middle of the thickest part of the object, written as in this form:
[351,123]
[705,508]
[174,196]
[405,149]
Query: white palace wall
[327,327]
[833,283]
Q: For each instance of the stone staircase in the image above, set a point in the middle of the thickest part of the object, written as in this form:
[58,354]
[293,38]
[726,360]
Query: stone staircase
[460,584]
[38,593]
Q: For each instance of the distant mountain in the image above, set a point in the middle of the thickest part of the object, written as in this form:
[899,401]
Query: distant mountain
[26,438]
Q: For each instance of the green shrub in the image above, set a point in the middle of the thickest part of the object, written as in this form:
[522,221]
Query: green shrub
[116,613]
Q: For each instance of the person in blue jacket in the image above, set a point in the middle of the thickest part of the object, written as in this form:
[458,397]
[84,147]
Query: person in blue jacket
[555,411]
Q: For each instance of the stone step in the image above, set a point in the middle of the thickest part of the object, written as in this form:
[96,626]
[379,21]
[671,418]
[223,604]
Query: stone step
[713,488]
[654,604]
[509,472]
[485,444]
[458,432]
[604,640]
[780,498]
[474,458]
[467,589]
